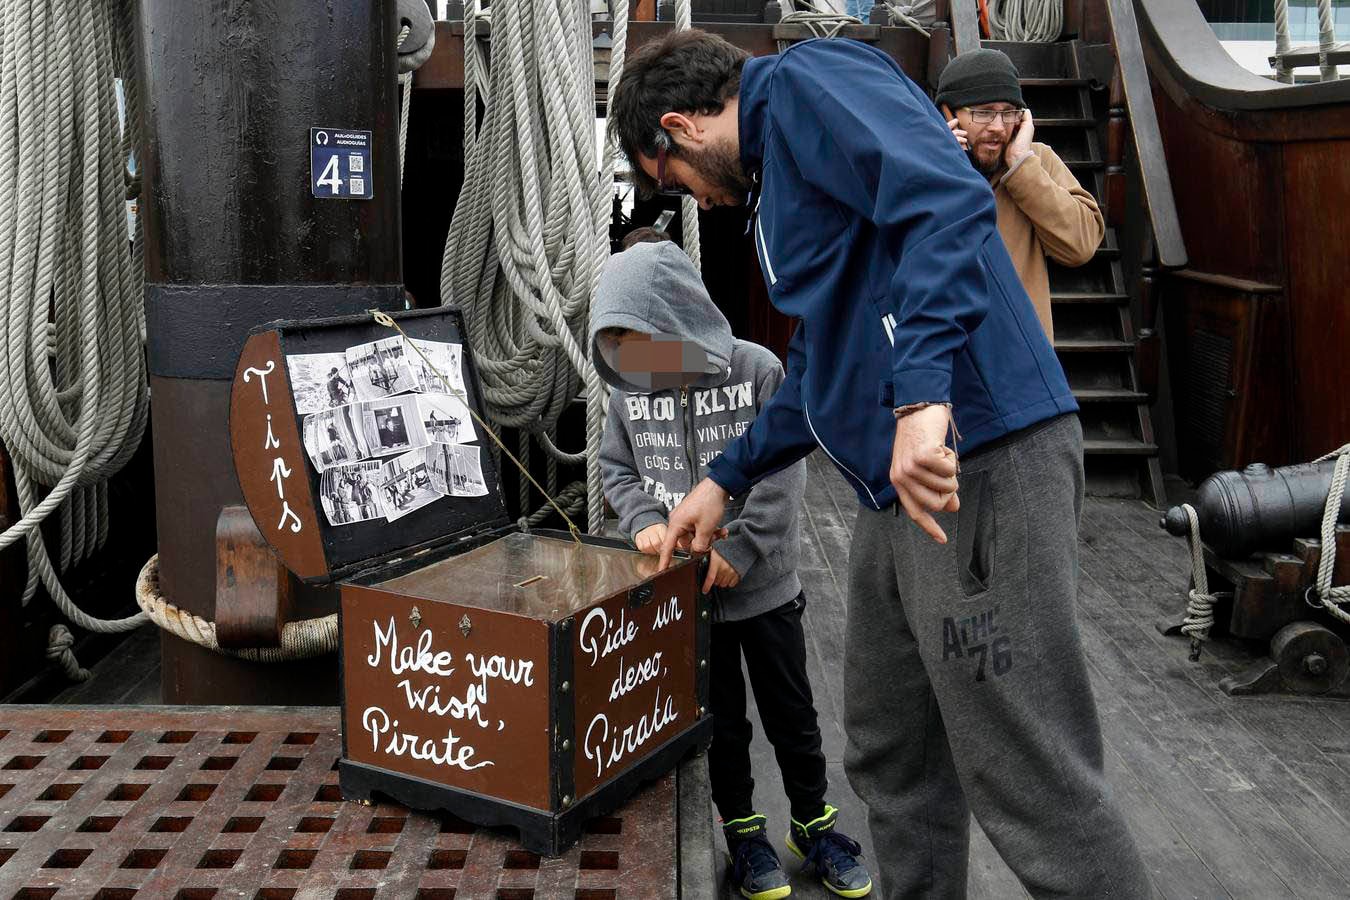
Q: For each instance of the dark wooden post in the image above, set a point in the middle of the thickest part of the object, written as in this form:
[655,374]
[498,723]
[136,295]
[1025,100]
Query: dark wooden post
[234,238]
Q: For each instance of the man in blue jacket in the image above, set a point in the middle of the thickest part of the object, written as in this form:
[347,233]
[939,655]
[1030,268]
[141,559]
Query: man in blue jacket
[966,686]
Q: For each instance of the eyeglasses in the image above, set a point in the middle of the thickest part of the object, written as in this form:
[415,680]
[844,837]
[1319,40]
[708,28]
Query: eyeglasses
[985,116]
[677,190]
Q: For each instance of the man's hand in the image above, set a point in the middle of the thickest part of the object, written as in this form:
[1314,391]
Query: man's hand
[720,573]
[960,133]
[1020,145]
[695,523]
[649,539]
[923,468]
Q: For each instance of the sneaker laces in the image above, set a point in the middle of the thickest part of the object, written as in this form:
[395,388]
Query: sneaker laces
[834,852]
[754,855]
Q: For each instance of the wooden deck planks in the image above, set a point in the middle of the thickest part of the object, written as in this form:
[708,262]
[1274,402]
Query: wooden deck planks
[1240,798]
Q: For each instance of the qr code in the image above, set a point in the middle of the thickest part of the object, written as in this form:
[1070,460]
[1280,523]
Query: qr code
[357,185]
[356,162]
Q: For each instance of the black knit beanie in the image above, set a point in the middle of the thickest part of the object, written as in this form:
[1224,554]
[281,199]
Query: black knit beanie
[980,76]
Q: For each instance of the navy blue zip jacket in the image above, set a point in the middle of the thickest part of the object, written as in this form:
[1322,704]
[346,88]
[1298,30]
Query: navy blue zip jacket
[875,231]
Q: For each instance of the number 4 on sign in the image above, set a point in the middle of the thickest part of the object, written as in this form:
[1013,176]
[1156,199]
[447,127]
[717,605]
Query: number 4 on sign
[330,176]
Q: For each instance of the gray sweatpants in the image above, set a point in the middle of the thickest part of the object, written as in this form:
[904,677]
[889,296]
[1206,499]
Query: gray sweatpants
[966,688]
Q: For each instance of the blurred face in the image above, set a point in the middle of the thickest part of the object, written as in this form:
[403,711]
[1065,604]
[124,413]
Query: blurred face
[663,361]
[988,140]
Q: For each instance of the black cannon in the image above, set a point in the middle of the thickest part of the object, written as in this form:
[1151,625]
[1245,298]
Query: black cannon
[1260,508]
[1260,530]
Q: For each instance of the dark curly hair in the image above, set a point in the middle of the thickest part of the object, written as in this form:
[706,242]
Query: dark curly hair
[690,72]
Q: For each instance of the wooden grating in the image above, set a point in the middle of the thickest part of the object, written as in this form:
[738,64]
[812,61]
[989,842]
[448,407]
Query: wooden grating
[198,803]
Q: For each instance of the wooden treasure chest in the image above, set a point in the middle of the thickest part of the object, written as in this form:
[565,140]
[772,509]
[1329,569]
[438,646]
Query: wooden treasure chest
[534,680]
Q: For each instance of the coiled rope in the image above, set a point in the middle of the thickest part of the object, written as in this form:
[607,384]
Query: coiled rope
[821,23]
[531,225]
[1328,597]
[73,390]
[1040,21]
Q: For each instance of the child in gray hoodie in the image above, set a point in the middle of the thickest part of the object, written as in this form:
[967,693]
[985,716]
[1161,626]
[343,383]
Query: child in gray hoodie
[684,388]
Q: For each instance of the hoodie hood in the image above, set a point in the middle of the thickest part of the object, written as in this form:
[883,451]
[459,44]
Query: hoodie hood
[655,289]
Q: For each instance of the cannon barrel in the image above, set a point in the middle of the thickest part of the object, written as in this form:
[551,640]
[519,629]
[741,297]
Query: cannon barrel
[1260,508]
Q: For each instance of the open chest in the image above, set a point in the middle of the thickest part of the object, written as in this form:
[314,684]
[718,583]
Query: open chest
[516,678]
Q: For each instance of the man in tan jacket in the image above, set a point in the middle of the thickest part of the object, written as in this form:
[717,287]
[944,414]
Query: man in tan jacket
[1042,209]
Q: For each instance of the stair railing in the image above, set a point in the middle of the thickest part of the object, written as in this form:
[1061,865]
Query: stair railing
[1156,181]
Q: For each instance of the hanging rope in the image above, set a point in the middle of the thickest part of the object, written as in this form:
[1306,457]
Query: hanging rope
[1282,71]
[1039,21]
[405,101]
[531,226]
[1328,597]
[411,13]
[73,396]
[684,19]
[1199,601]
[1326,39]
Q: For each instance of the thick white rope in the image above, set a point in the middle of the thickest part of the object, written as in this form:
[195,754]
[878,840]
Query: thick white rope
[59,653]
[409,61]
[822,23]
[684,18]
[1199,601]
[1039,21]
[1282,72]
[1326,38]
[73,395]
[299,640]
[405,101]
[1332,598]
[908,14]
[531,226]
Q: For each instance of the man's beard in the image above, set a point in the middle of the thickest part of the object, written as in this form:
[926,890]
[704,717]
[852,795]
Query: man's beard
[988,167]
[720,165]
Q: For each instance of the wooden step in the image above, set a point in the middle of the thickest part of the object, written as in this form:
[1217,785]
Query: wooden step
[1067,298]
[1053,82]
[1084,165]
[1080,345]
[1065,123]
[1119,448]
[1109,395]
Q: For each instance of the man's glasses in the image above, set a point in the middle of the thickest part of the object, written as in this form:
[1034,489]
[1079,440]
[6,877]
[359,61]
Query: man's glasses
[674,190]
[985,116]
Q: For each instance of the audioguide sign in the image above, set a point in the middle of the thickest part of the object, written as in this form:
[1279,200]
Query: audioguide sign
[339,164]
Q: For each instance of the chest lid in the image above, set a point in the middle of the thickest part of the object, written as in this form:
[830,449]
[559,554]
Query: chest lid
[354,444]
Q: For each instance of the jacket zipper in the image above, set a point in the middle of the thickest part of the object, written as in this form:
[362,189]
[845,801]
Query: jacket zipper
[688,437]
[806,414]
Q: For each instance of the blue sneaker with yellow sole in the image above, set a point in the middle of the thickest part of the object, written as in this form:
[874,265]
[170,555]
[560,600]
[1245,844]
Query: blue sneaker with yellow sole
[832,855]
[755,869]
